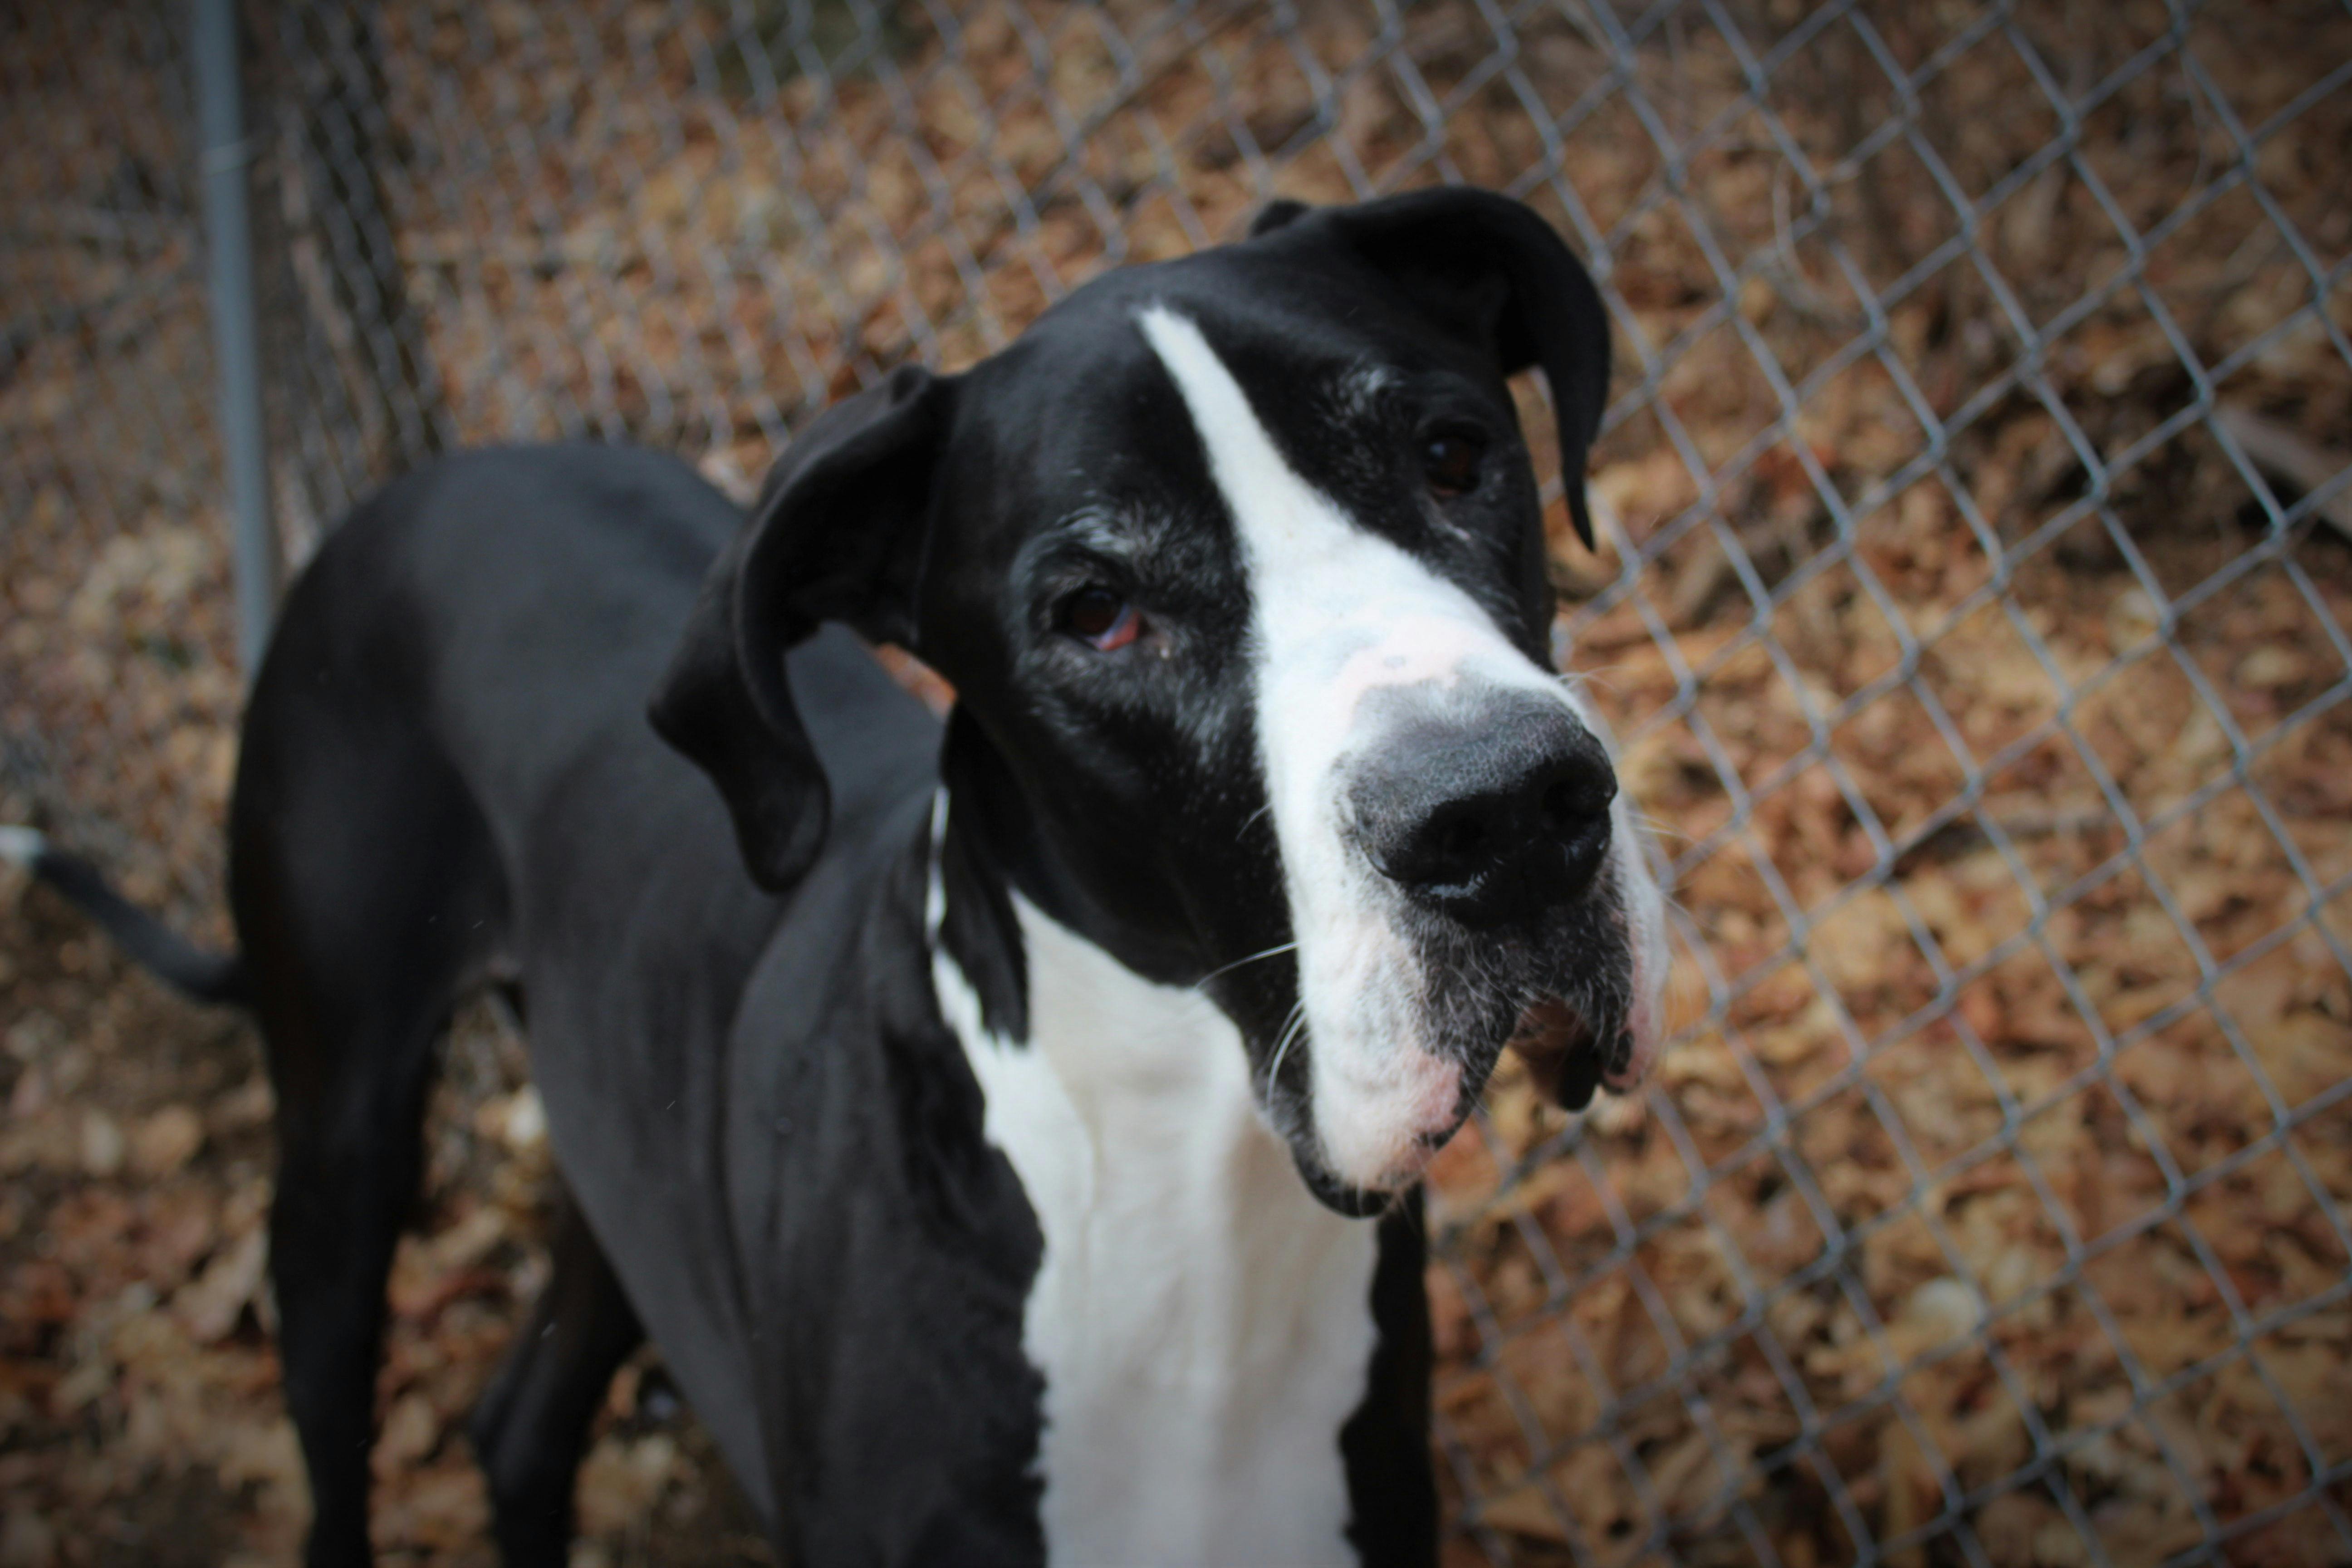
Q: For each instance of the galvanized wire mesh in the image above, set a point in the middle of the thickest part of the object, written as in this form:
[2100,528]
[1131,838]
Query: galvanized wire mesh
[111,482]
[1971,614]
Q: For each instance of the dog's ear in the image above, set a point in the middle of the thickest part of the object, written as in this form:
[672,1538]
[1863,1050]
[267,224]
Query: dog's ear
[836,535]
[1486,267]
[1277,214]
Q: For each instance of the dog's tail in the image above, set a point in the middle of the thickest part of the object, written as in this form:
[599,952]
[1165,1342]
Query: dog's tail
[192,970]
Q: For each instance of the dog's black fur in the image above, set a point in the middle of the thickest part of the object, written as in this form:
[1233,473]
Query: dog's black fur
[774,1143]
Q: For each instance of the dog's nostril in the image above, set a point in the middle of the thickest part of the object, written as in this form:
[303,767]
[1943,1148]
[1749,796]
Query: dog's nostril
[1560,806]
[1574,801]
[1461,836]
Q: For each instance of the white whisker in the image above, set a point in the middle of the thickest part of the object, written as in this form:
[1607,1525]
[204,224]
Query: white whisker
[1291,1031]
[1274,951]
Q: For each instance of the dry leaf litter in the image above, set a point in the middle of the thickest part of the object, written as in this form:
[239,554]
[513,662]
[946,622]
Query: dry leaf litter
[1990,1208]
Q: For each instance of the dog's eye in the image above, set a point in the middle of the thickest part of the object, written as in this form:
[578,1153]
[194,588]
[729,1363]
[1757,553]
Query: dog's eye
[1450,460]
[1101,618]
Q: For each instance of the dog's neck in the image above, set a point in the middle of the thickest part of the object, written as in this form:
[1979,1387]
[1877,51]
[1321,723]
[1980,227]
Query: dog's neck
[1204,1325]
[998,844]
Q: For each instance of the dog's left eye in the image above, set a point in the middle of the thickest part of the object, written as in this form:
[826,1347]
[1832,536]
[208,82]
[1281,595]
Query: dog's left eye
[1451,460]
[1101,618]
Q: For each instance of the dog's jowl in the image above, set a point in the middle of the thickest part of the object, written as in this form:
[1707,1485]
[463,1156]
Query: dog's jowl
[1007,1130]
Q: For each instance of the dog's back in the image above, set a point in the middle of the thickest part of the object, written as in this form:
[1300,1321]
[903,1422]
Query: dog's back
[475,646]
[992,1179]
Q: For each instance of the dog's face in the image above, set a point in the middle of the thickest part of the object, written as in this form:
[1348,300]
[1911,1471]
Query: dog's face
[1237,567]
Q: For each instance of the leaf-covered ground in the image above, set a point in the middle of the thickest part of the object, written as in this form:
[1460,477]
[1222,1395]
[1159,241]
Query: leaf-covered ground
[1963,617]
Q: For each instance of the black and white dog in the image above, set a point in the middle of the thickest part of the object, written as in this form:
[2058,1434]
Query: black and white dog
[1017,1163]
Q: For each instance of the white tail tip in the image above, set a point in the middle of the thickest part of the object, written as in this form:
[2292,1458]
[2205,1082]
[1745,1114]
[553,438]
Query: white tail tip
[22,845]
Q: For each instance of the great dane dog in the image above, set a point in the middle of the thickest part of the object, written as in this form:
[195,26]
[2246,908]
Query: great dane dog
[1006,1129]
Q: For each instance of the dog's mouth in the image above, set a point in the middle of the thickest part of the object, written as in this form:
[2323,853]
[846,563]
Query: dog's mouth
[1572,998]
[1568,1003]
[1567,1057]
[1571,1049]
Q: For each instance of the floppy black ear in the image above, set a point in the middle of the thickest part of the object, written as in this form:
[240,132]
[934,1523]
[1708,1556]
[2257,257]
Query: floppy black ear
[1280,213]
[836,535]
[1484,266]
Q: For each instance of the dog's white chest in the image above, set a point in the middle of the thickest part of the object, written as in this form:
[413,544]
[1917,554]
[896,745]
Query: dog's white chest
[1204,1325]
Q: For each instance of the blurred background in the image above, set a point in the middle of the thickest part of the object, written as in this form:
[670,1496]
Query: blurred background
[1970,615]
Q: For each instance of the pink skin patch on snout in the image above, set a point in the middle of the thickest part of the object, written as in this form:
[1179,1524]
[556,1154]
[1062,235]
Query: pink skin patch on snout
[1377,1136]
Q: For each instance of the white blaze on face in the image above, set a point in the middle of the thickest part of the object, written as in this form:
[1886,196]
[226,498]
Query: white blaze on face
[1339,612]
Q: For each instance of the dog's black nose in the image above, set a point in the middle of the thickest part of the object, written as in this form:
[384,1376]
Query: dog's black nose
[1493,818]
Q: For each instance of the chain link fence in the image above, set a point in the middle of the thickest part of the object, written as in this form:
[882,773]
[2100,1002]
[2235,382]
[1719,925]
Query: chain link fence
[1972,610]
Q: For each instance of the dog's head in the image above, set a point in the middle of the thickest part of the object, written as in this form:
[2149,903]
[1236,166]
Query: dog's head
[1237,567]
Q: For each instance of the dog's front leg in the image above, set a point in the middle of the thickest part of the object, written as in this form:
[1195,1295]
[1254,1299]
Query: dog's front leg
[532,1424]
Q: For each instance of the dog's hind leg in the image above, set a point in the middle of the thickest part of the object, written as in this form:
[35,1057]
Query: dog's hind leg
[366,898]
[532,1424]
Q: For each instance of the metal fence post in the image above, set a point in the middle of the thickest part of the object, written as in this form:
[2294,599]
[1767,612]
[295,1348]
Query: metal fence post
[229,237]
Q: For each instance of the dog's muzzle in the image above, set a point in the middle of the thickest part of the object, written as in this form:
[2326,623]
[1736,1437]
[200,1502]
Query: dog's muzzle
[1494,912]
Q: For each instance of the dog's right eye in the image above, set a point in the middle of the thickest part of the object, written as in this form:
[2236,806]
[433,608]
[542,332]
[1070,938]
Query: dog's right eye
[1451,461]
[1101,618]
